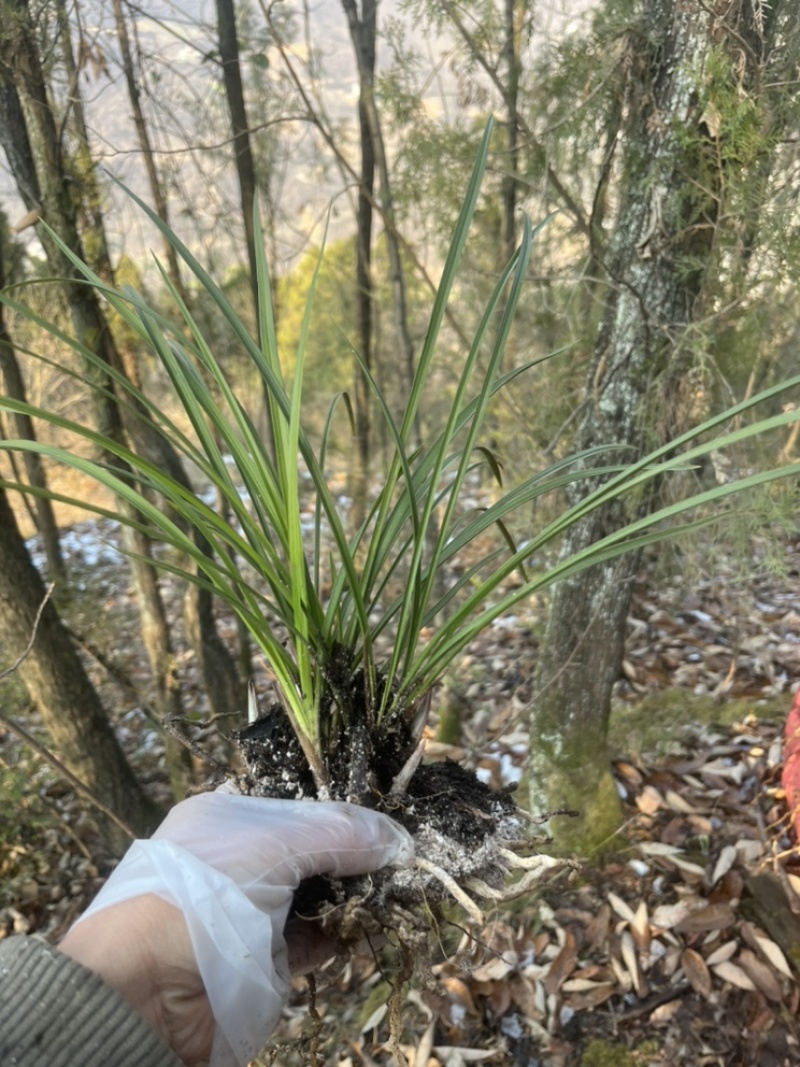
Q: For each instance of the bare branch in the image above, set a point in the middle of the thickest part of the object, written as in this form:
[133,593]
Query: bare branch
[567,199]
[45,753]
[348,169]
[27,650]
[66,773]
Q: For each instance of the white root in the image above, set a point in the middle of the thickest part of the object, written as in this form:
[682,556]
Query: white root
[453,888]
[511,892]
[528,863]
[407,770]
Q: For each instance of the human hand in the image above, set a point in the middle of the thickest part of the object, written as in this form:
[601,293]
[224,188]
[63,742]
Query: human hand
[190,928]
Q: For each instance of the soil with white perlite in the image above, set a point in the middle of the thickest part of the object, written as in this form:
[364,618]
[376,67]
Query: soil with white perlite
[471,842]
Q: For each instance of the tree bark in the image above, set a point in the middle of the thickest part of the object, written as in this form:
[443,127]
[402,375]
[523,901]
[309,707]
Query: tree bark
[363,32]
[511,56]
[16,145]
[198,609]
[23,428]
[655,265]
[365,295]
[59,687]
[243,153]
[246,173]
[143,135]
[82,164]
[32,142]
[49,180]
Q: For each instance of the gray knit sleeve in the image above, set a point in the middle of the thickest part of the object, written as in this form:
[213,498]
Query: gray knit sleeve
[56,1013]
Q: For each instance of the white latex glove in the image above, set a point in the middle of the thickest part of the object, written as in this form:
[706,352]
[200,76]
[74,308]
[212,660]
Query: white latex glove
[231,865]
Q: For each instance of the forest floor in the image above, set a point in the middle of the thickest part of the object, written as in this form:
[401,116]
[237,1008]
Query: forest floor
[677,944]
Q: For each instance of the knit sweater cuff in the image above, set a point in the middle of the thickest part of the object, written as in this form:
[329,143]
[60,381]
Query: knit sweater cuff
[54,1011]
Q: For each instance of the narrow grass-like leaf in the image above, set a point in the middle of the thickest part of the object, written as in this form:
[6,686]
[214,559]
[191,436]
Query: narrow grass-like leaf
[324,599]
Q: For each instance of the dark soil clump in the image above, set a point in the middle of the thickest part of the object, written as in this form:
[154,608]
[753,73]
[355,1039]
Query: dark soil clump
[458,823]
[276,766]
[455,801]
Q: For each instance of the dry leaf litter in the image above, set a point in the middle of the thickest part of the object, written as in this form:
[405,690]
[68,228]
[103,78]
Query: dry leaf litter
[680,946]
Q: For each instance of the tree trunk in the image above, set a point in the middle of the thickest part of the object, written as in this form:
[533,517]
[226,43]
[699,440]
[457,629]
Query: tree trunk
[23,428]
[60,211]
[365,296]
[511,55]
[246,173]
[243,153]
[32,146]
[671,186]
[154,627]
[143,135]
[82,165]
[15,142]
[57,683]
[363,32]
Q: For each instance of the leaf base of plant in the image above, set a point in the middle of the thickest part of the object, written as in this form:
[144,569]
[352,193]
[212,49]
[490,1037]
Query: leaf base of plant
[472,845]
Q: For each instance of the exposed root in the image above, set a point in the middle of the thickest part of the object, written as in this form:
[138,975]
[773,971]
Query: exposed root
[453,888]
[407,771]
[528,863]
[316,1021]
[396,1004]
[516,889]
[546,816]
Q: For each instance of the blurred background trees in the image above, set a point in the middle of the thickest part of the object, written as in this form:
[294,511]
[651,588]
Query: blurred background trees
[662,137]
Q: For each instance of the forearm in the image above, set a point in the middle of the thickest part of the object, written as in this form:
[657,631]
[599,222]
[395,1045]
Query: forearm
[53,1010]
[141,948]
[183,956]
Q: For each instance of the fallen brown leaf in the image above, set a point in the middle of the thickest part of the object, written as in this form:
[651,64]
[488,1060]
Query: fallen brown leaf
[711,917]
[664,1012]
[697,973]
[730,972]
[563,965]
[761,974]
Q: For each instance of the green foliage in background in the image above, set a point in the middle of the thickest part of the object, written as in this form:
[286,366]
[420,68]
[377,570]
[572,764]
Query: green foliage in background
[329,363]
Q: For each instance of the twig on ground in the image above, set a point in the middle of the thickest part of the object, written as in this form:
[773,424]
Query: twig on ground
[172,727]
[545,816]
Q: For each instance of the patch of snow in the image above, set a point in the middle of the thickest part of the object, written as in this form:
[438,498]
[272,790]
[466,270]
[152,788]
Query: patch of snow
[92,543]
[149,741]
[511,1027]
[509,771]
[458,1013]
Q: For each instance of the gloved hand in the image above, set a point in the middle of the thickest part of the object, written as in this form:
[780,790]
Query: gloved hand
[230,865]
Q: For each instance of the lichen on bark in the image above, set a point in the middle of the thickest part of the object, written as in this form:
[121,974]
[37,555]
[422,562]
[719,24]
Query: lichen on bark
[654,264]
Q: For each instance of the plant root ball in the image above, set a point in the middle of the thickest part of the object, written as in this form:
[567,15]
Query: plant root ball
[469,839]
